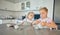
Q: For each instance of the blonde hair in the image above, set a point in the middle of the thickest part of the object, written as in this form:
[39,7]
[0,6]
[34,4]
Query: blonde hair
[44,8]
[30,12]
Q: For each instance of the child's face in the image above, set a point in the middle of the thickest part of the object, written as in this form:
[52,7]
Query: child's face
[43,13]
[31,15]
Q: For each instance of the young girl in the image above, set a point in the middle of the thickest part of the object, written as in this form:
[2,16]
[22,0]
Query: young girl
[29,18]
[44,21]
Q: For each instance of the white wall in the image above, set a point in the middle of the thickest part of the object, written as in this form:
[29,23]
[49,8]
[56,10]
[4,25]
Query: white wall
[35,4]
[43,3]
[5,5]
[10,6]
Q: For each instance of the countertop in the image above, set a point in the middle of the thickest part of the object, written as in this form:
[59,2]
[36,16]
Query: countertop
[4,30]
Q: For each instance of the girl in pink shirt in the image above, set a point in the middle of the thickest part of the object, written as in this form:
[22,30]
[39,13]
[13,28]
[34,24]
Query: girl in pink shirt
[44,21]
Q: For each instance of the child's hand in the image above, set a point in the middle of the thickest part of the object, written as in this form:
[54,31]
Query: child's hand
[43,23]
[38,21]
[51,25]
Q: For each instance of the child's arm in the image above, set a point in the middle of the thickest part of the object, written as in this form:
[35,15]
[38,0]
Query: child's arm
[23,21]
[51,24]
[35,22]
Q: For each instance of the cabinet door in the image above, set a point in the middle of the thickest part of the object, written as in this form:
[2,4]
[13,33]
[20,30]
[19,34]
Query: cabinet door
[6,21]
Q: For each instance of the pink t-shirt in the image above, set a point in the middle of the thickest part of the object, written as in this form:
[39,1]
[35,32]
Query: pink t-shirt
[48,20]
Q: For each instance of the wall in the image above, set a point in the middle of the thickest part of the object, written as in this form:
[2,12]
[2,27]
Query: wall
[5,5]
[43,3]
[9,6]
[35,4]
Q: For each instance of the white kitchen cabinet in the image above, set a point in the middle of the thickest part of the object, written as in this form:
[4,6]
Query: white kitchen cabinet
[8,21]
[14,21]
